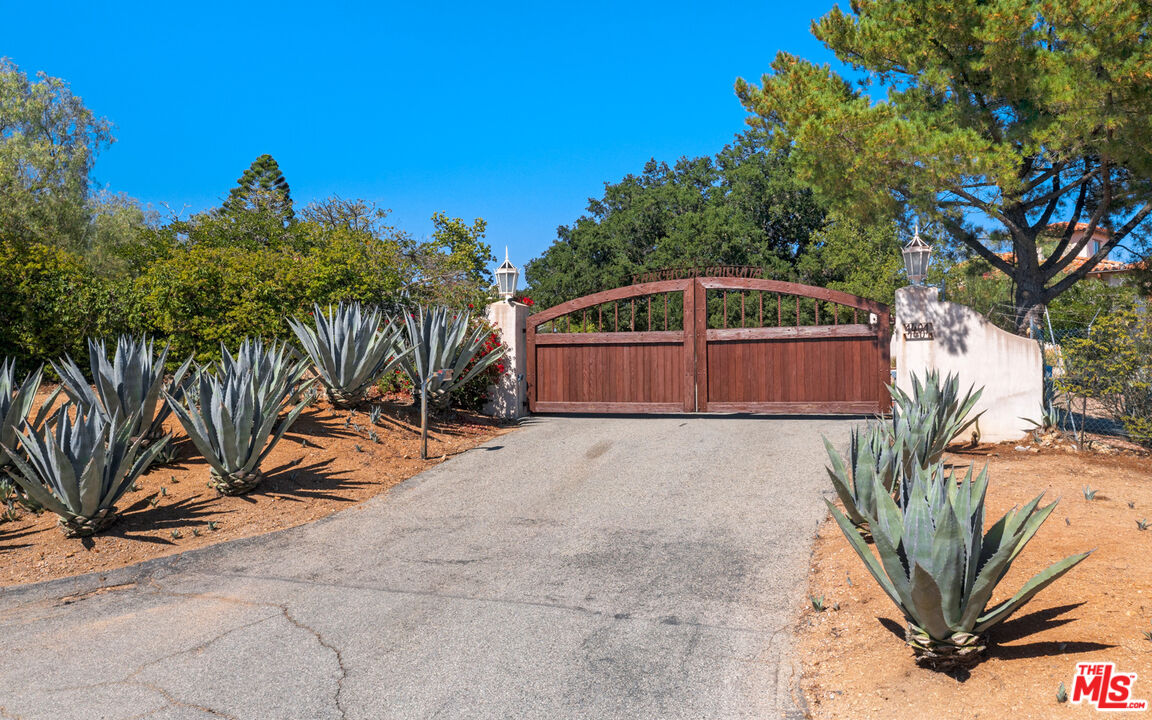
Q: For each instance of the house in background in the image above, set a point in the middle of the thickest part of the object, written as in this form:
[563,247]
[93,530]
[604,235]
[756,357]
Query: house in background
[1110,272]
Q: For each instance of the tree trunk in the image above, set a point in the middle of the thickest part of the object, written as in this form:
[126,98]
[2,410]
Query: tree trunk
[1029,295]
[1029,302]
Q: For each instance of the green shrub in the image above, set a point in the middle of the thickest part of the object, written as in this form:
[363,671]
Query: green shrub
[201,296]
[50,303]
[1113,366]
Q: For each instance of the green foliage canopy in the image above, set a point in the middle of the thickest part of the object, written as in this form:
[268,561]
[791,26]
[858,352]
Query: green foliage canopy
[996,117]
[48,143]
[741,207]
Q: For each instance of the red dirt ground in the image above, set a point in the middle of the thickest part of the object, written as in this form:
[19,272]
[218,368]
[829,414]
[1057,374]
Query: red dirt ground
[322,465]
[856,665]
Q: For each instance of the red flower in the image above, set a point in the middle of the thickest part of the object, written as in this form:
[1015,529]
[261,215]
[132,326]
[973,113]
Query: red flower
[499,367]
[469,306]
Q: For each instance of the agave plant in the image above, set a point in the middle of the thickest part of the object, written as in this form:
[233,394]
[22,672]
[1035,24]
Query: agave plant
[933,415]
[350,347]
[441,339]
[16,399]
[273,366]
[130,386]
[445,353]
[940,567]
[79,464]
[232,419]
[874,461]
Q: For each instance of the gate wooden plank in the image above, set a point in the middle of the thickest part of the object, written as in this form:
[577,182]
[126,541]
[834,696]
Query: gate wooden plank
[610,338]
[700,342]
[689,353]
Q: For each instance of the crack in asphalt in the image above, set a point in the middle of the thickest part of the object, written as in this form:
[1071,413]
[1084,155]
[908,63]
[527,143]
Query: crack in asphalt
[335,651]
[284,612]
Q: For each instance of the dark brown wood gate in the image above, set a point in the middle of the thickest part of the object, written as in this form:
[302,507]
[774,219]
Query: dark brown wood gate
[713,343]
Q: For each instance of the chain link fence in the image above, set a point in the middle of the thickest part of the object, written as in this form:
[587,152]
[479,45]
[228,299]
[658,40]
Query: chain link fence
[1070,412]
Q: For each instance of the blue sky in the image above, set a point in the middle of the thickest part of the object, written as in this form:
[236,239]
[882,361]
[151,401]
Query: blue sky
[516,113]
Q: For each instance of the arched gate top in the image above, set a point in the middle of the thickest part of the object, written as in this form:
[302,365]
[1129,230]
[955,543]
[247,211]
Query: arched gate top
[724,283]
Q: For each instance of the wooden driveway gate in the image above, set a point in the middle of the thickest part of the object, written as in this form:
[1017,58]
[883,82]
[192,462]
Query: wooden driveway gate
[723,344]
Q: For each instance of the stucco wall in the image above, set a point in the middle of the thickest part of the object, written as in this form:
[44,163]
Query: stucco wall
[1009,367]
[510,394]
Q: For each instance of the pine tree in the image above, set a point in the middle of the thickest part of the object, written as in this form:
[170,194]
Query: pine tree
[995,119]
[262,187]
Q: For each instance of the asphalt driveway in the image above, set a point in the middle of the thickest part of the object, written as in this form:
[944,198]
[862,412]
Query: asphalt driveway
[576,568]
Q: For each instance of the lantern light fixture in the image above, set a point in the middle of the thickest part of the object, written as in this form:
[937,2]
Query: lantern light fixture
[916,256]
[506,277]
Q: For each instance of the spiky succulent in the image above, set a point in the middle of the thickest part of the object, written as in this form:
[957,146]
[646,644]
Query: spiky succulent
[16,400]
[874,461]
[934,560]
[273,365]
[131,385]
[79,464]
[441,338]
[933,415]
[351,347]
[233,419]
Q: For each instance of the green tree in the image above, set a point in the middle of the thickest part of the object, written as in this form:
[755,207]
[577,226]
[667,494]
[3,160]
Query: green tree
[262,188]
[48,143]
[862,259]
[742,207]
[997,116]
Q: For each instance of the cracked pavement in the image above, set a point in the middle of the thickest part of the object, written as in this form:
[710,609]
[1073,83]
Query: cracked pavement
[577,568]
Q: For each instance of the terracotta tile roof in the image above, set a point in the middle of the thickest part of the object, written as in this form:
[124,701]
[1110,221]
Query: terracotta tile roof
[1059,226]
[1102,266]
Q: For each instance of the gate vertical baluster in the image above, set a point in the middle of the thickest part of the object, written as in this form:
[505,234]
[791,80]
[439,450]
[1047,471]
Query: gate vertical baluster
[779,312]
[797,311]
[760,321]
[741,308]
[616,314]
[855,316]
[725,309]
[817,301]
[835,314]
[665,312]
[569,318]
[649,313]
[600,317]
[632,319]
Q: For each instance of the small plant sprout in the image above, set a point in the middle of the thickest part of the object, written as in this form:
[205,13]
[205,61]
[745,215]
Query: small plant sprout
[817,603]
[176,534]
[1061,693]
[1131,505]
[212,524]
[1142,524]
[375,414]
[358,448]
[373,437]
[154,501]
[163,491]
[1147,635]
[173,480]
[195,532]
[836,606]
[1068,522]
[1089,493]
[848,577]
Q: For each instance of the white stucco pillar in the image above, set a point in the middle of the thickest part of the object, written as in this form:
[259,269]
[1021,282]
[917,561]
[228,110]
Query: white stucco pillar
[510,395]
[951,338]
